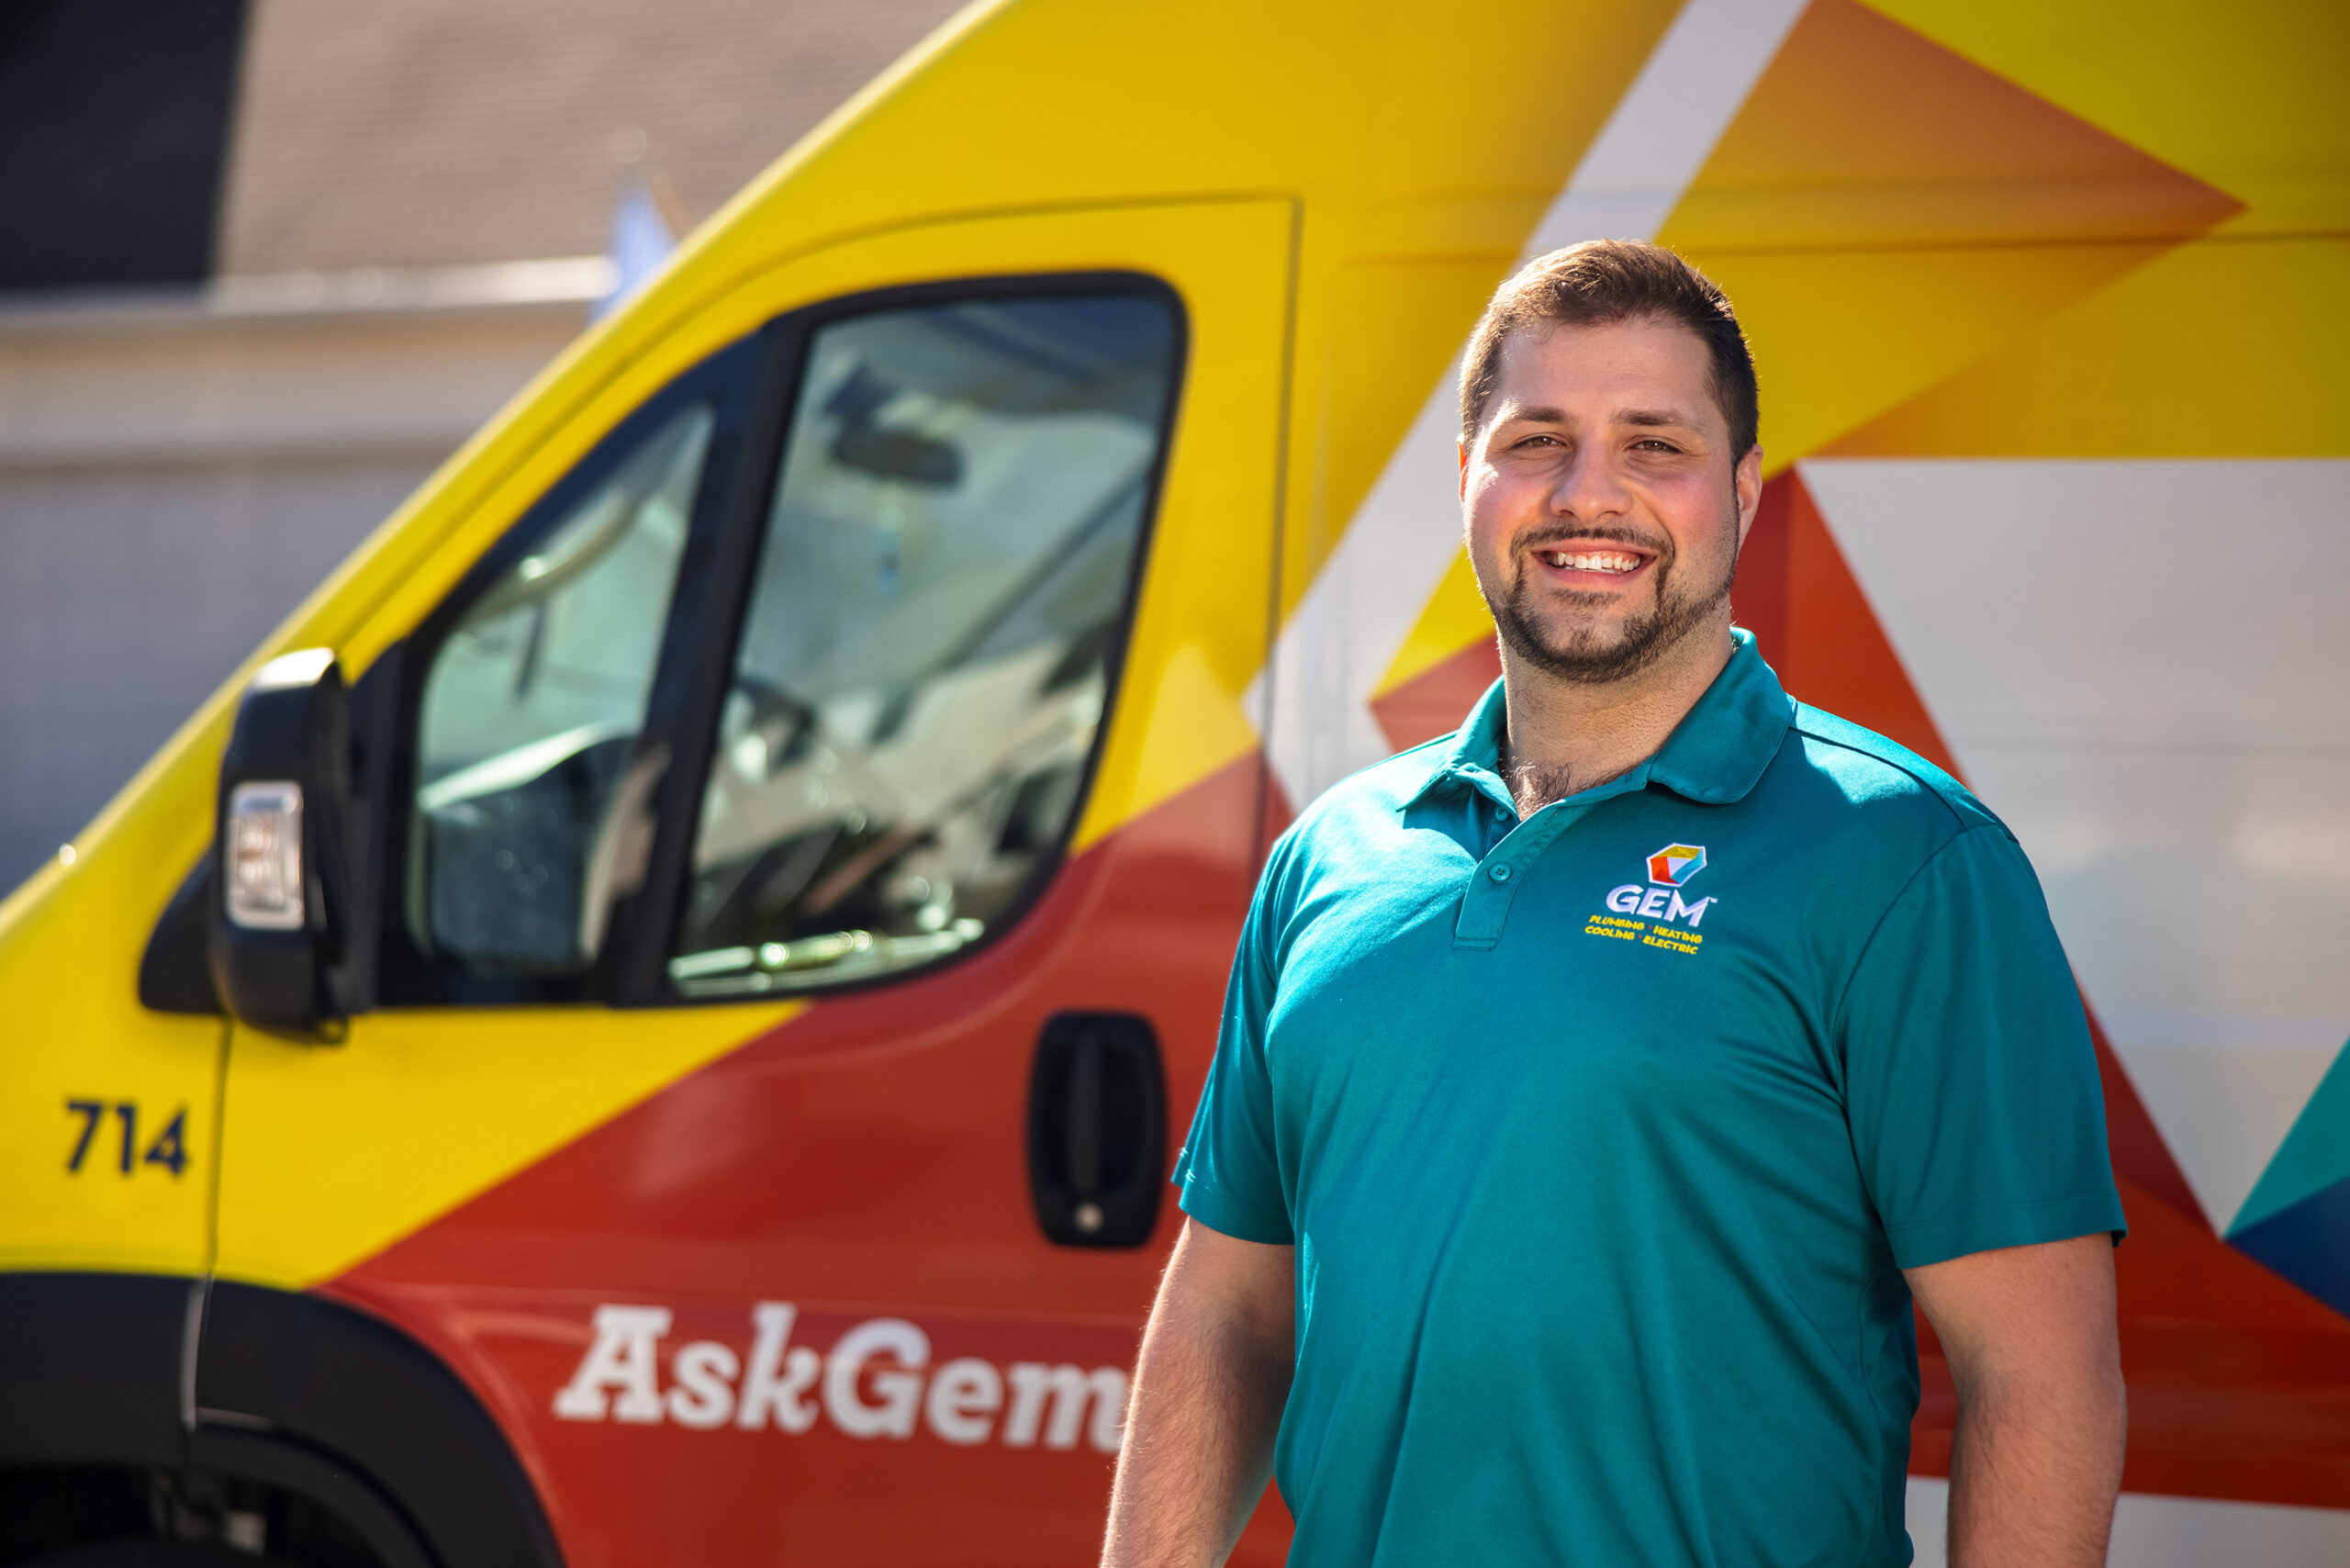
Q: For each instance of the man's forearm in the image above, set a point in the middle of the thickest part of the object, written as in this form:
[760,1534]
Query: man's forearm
[1209,1388]
[2034,1475]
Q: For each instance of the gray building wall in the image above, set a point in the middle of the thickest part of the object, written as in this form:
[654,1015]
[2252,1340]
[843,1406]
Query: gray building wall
[426,132]
[177,474]
[128,595]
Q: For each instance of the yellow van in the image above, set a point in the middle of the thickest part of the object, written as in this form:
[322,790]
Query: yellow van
[649,1022]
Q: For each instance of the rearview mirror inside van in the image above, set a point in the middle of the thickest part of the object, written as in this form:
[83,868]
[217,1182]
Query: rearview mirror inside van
[280,919]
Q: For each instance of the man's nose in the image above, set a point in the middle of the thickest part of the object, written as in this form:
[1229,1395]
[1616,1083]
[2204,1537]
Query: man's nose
[1589,486]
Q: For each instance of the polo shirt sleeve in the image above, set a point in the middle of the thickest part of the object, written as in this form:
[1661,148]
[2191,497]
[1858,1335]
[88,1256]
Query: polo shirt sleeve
[1229,1172]
[1971,1084]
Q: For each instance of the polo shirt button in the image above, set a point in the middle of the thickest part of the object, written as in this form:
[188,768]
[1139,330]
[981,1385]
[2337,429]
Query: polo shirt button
[1499,873]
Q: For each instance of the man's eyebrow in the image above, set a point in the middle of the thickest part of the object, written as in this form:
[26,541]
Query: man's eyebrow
[1645,418]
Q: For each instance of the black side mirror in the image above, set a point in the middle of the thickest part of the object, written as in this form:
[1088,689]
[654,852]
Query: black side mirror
[281,919]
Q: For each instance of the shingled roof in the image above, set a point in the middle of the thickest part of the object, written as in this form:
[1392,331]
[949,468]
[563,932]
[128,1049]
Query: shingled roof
[425,133]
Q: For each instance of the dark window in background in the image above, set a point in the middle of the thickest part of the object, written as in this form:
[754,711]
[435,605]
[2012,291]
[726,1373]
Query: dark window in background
[114,135]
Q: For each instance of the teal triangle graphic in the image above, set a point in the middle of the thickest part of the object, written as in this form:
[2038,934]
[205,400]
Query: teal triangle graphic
[2315,1154]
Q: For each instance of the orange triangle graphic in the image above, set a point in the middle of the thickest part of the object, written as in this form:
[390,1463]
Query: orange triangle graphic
[1867,134]
[2239,1381]
[1813,623]
[1434,702]
[1884,212]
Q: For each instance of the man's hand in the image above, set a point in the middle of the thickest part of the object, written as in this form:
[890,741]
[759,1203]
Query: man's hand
[2036,1462]
[1208,1394]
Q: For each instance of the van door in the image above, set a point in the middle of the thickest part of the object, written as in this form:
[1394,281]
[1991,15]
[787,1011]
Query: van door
[813,839]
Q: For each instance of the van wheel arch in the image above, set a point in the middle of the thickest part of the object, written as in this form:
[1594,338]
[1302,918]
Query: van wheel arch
[292,1392]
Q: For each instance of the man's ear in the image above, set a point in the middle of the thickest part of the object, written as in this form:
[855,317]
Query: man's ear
[1460,453]
[1746,479]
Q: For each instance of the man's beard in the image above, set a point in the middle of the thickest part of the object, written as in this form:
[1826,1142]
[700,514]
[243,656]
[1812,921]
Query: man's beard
[1643,640]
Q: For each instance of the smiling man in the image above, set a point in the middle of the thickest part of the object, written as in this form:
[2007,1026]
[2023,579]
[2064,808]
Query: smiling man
[1600,1085]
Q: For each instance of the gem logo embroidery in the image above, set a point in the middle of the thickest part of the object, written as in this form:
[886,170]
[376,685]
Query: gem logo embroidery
[1672,865]
[1657,915]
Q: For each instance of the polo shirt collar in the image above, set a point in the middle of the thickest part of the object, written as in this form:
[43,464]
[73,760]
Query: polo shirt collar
[1716,755]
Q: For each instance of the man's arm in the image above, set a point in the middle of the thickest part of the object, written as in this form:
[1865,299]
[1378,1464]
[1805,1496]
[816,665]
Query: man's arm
[2036,1462]
[1208,1394]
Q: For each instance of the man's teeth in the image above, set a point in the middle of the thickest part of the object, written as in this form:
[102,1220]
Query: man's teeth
[1592,560]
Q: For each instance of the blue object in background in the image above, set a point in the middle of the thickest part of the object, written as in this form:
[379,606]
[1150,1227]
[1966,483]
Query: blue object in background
[641,242]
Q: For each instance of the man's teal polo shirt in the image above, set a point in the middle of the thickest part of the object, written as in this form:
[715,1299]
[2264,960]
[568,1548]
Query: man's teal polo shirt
[1602,1136]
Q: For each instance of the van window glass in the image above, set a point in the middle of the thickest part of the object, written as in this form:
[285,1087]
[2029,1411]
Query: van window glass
[925,655]
[530,713]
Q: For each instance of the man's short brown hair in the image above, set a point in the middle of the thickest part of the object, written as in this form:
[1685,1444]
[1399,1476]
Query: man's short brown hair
[1598,283]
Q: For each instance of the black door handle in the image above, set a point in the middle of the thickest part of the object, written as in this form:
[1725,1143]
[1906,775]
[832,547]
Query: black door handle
[1097,1129]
